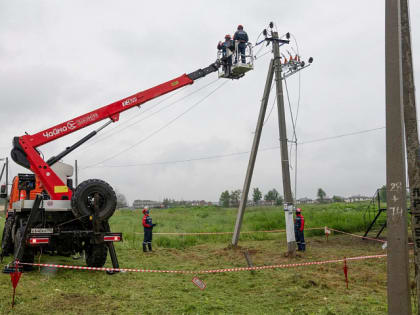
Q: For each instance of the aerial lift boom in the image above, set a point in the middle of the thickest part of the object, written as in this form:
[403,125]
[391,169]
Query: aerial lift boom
[25,151]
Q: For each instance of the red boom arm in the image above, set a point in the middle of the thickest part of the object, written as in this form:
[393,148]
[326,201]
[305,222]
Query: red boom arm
[25,153]
[111,111]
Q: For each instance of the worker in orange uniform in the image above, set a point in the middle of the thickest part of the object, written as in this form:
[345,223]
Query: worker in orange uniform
[299,228]
[148,230]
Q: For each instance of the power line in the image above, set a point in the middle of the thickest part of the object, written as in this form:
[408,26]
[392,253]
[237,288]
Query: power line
[272,106]
[212,157]
[184,161]
[135,116]
[259,57]
[290,110]
[159,129]
[299,84]
[342,135]
[123,127]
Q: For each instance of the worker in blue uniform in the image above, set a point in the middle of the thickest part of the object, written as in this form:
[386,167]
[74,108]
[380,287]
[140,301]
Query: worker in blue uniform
[242,37]
[299,230]
[148,230]
[227,47]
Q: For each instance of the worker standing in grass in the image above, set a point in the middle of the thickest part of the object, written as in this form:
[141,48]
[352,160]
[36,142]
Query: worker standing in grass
[148,230]
[299,226]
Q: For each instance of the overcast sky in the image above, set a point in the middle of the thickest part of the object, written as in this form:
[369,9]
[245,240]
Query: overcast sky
[62,59]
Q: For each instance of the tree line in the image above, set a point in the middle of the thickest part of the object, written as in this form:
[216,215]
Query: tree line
[231,199]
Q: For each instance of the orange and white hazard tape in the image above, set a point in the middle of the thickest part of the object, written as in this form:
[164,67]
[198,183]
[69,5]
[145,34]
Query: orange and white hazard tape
[360,236]
[207,271]
[223,233]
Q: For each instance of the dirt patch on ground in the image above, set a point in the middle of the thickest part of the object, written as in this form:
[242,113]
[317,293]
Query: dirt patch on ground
[76,303]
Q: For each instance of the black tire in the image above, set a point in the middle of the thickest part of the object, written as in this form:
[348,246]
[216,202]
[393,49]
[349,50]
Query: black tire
[96,255]
[7,239]
[28,254]
[94,197]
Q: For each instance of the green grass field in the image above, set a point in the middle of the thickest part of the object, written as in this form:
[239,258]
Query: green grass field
[317,289]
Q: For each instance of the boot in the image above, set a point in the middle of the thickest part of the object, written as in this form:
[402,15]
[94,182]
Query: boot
[144,248]
[150,246]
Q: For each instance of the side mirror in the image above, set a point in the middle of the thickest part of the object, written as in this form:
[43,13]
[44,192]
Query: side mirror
[3,191]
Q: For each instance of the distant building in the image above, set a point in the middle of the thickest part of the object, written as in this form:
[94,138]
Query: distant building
[357,198]
[304,200]
[138,204]
[199,203]
[266,203]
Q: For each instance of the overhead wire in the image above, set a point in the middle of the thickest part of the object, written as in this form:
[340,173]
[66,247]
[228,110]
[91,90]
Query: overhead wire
[272,106]
[299,78]
[342,135]
[297,115]
[240,152]
[294,121]
[124,127]
[159,129]
[259,50]
[259,57]
[290,110]
[137,115]
[212,157]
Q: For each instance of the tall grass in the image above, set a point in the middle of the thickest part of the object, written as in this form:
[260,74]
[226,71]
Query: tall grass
[340,216]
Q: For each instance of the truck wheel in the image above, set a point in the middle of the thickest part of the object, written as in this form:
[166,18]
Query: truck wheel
[28,254]
[94,197]
[96,255]
[7,240]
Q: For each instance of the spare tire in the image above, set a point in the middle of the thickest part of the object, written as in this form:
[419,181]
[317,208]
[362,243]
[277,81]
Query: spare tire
[94,197]
[7,239]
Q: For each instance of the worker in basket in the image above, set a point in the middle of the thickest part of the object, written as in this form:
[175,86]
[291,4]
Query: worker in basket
[299,230]
[227,47]
[148,229]
[242,37]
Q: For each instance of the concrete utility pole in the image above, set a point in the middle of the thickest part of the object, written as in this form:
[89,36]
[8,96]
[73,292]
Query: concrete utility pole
[398,271]
[411,138]
[253,156]
[293,66]
[287,190]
